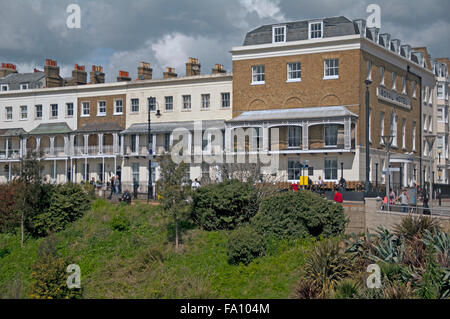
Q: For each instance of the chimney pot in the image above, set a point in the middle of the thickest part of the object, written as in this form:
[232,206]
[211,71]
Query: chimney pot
[192,67]
[170,73]
[97,76]
[218,69]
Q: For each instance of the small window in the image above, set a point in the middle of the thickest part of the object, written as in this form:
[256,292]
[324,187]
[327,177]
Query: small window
[119,107]
[369,70]
[331,69]
[226,100]
[331,168]
[331,135]
[169,103]
[205,101]
[279,34]
[404,134]
[167,142]
[403,85]
[414,89]
[152,103]
[54,110]
[38,109]
[440,114]
[134,105]
[440,91]
[86,111]
[69,109]
[258,74]
[9,113]
[257,138]
[187,102]
[295,136]
[294,72]
[381,127]
[23,112]
[315,30]
[430,123]
[382,75]
[101,108]
[294,169]
[414,136]
[4,87]
[24,86]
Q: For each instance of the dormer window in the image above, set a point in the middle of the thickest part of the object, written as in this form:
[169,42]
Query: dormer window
[4,87]
[24,86]
[279,34]
[315,30]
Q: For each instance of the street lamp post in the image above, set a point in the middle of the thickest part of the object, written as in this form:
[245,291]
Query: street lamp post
[430,141]
[376,177]
[367,183]
[150,148]
[387,140]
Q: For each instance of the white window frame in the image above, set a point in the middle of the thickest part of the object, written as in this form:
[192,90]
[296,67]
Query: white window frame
[116,106]
[84,109]
[8,113]
[26,86]
[226,99]
[206,101]
[99,112]
[330,168]
[325,135]
[187,102]
[394,81]
[67,110]
[36,111]
[414,128]
[293,138]
[369,70]
[441,91]
[291,72]
[394,133]
[327,67]
[22,113]
[167,103]
[403,84]
[382,72]
[296,167]
[3,87]
[257,138]
[382,116]
[275,35]
[440,110]
[414,90]
[134,105]
[51,111]
[257,72]
[152,104]
[310,31]
[430,96]
[425,123]
[430,123]
[404,134]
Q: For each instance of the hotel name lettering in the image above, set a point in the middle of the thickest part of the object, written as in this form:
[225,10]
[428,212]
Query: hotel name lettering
[393,97]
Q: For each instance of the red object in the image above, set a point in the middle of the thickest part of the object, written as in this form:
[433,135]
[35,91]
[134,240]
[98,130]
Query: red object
[295,187]
[338,197]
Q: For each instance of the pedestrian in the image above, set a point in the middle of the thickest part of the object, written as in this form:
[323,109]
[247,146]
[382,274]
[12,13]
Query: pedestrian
[195,184]
[391,197]
[117,185]
[343,183]
[404,200]
[112,188]
[338,197]
[135,188]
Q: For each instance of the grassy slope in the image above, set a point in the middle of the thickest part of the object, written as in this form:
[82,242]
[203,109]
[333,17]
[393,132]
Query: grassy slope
[141,263]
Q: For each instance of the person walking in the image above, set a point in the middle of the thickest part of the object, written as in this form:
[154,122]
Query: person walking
[404,200]
[338,197]
[135,188]
[117,185]
[112,188]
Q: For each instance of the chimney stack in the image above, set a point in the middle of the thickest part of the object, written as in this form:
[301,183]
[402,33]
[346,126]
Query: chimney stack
[144,71]
[218,69]
[79,75]
[97,76]
[192,67]
[170,73]
[124,76]
[7,68]
[51,70]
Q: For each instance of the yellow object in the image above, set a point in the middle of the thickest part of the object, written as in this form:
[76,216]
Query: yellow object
[304,180]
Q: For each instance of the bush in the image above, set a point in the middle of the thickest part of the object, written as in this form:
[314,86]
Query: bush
[411,227]
[308,289]
[299,214]
[244,245]
[347,289]
[68,203]
[9,218]
[224,206]
[120,223]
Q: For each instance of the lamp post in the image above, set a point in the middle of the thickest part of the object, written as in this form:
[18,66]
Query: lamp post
[376,177]
[387,140]
[439,165]
[430,141]
[150,147]
[367,183]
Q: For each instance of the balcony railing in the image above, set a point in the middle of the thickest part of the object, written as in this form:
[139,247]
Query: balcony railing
[12,154]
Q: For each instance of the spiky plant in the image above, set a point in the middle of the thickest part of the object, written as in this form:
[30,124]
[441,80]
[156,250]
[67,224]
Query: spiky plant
[347,289]
[411,227]
[307,289]
[440,241]
[388,247]
[327,265]
[397,290]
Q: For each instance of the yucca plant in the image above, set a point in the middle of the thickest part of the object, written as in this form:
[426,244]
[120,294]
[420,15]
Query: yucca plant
[440,241]
[347,289]
[388,247]
[397,290]
[327,265]
[411,227]
[308,289]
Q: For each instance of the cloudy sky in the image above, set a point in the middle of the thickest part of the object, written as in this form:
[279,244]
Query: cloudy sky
[119,34]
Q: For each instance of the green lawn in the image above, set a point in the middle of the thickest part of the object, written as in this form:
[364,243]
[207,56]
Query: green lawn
[140,261]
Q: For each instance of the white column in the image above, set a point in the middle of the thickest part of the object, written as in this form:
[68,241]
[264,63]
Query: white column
[100,143]
[347,134]
[86,179]
[9,171]
[54,172]
[86,143]
[138,150]
[265,137]
[122,144]
[305,136]
[7,148]
[189,150]
[52,145]
[405,175]
[66,146]
[21,148]
[71,150]
[38,144]
[228,137]
[154,143]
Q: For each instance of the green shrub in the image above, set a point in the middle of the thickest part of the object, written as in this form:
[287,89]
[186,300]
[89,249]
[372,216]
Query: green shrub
[299,214]
[347,289]
[244,245]
[224,206]
[9,218]
[120,223]
[411,227]
[308,289]
[68,203]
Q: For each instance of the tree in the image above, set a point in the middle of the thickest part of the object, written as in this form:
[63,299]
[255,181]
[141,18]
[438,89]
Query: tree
[172,189]
[30,198]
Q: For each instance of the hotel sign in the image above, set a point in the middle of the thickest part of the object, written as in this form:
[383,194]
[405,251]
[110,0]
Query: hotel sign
[393,97]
